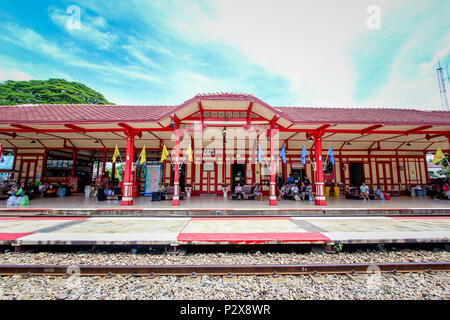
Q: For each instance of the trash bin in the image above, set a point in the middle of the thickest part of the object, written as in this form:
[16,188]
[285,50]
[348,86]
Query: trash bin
[337,192]
[62,192]
[327,192]
[419,193]
[387,196]
[87,191]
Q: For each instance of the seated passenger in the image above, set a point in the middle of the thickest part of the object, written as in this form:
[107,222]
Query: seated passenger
[302,191]
[379,195]
[294,192]
[364,191]
[238,192]
[309,192]
[257,191]
[286,191]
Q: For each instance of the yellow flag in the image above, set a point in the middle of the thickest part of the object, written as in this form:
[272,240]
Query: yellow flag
[189,153]
[165,153]
[143,156]
[438,156]
[115,155]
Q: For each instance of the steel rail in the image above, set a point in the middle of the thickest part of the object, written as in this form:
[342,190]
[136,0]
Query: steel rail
[218,270]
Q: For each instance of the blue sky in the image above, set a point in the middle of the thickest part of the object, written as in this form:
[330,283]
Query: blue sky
[286,52]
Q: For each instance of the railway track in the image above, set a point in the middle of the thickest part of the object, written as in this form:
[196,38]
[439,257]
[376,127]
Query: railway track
[220,270]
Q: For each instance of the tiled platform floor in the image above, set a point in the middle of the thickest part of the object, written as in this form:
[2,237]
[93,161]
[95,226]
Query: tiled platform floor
[221,230]
[215,202]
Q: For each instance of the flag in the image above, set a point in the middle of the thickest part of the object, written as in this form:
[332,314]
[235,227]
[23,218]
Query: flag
[189,153]
[143,156]
[304,154]
[438,156]
[260,153]
[283,153]
[330,153]
[1,154]
[116,154]
[165,153]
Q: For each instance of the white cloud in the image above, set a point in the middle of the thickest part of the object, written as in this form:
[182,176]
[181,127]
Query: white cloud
[16,75]
[92,29]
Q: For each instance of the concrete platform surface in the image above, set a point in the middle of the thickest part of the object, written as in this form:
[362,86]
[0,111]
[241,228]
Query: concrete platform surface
[208,205]
[21,231]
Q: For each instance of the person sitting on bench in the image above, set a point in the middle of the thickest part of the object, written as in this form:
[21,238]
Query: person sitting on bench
[364,191]
[258,192]
[238,191]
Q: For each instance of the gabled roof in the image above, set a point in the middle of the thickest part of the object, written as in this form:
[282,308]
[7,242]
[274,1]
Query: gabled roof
[64,113]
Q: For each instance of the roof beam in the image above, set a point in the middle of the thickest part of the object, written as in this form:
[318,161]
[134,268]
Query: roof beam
[12,135]
[371,128]
[74,127]
[130,129]
[417,129]
[26,128]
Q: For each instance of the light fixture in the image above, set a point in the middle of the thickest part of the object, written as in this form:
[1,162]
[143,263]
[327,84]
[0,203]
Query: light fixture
[33,141]
[96,141]
[349,144]
[408,144]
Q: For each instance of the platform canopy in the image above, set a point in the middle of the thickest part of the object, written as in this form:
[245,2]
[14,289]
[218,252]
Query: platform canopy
[101,127]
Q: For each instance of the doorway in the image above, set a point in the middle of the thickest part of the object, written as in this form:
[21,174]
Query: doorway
[28,171]
[298,175]
[356,174]
[208,185]
[238,174]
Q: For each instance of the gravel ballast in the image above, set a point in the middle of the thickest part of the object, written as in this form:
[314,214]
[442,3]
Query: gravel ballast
[369,286]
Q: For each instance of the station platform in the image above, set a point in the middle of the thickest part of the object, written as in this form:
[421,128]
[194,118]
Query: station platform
[173,231]
[78,205]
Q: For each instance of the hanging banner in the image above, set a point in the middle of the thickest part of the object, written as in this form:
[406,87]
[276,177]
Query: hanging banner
[152,178]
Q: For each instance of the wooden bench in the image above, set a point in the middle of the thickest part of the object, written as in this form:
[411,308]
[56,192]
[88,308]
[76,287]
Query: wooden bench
[247,191]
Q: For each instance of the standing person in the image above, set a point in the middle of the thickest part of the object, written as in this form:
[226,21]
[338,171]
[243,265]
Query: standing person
[101,190]
[364,191]
[307,181]
[290,180]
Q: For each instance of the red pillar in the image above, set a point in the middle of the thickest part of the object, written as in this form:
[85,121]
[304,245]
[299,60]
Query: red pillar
[425,163]
[74,161]
[127,192]
[176,178]
[104,163]
[320,178]
[272,194]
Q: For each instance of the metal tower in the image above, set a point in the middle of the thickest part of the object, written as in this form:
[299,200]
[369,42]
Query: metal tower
[442,89]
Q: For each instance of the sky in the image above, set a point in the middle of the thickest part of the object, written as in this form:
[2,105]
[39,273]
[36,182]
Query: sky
[347,53]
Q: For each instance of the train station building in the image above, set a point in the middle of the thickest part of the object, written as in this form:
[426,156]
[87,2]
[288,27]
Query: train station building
[216,141]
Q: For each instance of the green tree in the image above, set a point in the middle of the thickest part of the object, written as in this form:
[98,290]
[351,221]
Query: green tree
[52,91]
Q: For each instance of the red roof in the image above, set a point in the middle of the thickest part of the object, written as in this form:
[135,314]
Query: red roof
[52,113]
[365,115]
[49,113]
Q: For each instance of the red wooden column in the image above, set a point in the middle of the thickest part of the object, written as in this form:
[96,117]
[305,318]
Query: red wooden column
[321,200]
[176,178]
[272,194]
[425,163]
[74,160]
[127,199]
[104,162]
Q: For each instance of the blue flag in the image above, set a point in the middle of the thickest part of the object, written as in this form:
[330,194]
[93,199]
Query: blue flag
[260,153]
[304,154]
[330,153]
[283,153]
